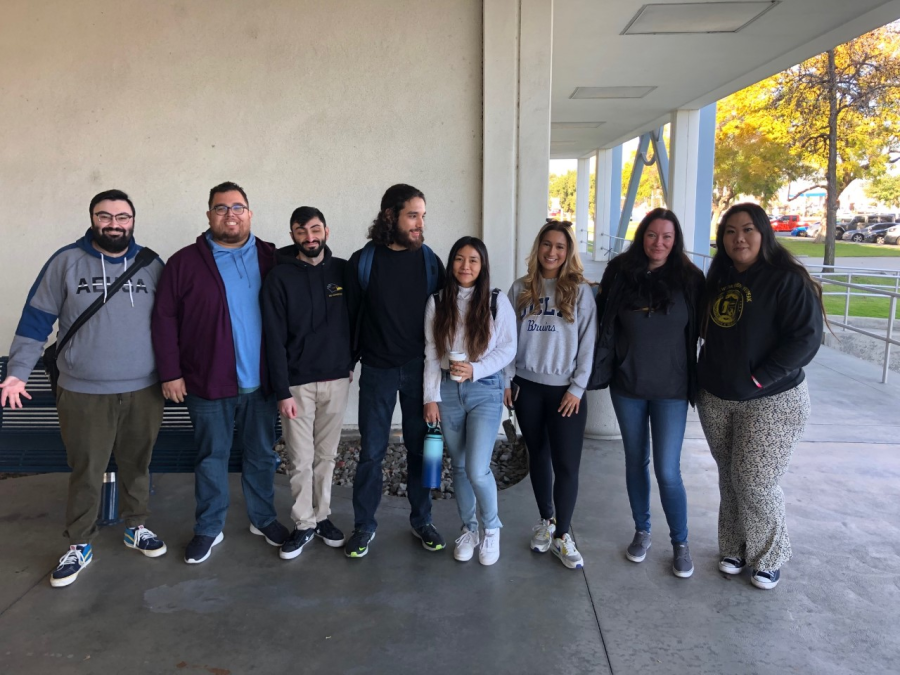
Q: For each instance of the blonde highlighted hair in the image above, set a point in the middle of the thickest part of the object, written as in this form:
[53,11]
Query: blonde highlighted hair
[570,275]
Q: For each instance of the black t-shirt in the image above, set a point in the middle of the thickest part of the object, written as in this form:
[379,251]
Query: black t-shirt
[393,319]
[651,351]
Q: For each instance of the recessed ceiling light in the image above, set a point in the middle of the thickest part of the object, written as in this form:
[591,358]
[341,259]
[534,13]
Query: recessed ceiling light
[696,17]
[611,92]
[575,125]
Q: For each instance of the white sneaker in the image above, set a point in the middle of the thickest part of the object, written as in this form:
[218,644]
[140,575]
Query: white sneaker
[465,545]
[543,535]
[564,549]
[489,553]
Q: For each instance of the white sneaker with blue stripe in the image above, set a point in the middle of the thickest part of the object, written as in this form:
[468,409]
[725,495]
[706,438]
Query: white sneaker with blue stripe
[76,559]
[141,539]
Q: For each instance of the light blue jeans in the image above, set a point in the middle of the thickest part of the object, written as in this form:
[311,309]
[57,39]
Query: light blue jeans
[470,419]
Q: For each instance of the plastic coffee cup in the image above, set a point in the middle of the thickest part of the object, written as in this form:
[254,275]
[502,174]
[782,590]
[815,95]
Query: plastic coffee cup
[458,357]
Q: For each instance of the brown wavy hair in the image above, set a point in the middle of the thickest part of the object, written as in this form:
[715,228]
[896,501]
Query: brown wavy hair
[570,275]
[382,229]
[478,318]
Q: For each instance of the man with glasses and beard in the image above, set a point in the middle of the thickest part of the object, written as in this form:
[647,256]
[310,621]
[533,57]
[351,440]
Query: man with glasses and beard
[307,334]
[388,283]
[108,395]
[207,335]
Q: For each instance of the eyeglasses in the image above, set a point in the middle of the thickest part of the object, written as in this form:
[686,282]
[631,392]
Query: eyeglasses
[106,218]
[236,209]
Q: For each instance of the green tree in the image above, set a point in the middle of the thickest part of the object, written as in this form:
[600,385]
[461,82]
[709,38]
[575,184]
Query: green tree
[837,113]
[564,187]
[885,189]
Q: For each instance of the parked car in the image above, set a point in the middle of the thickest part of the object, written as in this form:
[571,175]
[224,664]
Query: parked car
[807,230]
[892,236]
[785,223]
[871,233]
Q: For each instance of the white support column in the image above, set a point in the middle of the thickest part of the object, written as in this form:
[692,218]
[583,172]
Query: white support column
[582,202]
[607,198]
[501,94]
[535,61]
[684,139]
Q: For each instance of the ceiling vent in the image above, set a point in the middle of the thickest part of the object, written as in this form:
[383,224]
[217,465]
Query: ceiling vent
[611,92]
[575,125]
[696,17]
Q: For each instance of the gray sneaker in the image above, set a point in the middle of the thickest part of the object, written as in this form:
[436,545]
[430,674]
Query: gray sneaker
[637,550]
[682,565]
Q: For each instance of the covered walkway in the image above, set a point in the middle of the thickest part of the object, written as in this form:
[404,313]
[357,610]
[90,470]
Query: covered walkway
[403,610]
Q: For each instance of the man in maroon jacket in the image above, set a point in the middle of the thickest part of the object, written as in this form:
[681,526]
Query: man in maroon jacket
[207,336]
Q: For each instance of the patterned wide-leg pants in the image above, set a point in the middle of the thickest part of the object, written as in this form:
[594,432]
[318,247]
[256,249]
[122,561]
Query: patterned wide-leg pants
[752,443]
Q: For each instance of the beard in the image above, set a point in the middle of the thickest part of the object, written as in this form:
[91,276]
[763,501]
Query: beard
[404,239]
[112,239]
[311,252]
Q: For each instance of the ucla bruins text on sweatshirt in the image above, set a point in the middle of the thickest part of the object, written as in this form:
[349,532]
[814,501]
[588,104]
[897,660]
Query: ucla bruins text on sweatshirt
[763,323]
[552,350]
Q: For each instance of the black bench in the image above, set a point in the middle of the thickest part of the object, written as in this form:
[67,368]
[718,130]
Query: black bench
[30,441]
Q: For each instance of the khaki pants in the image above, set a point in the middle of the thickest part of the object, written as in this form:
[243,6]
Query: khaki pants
[311,440]
[95,425]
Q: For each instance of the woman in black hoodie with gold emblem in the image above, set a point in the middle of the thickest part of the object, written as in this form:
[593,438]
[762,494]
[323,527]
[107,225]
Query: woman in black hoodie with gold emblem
[764,324]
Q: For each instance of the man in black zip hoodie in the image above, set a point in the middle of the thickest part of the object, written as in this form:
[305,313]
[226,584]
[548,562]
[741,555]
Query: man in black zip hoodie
[307,336]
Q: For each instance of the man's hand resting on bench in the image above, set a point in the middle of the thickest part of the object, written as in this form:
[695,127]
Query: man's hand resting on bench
[10,390]
[174,390]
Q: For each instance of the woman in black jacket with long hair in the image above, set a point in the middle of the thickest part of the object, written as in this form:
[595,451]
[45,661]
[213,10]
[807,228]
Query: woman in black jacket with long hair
[650,304]
[764,324]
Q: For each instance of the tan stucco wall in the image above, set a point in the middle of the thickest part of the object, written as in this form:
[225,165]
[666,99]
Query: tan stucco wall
[299,101]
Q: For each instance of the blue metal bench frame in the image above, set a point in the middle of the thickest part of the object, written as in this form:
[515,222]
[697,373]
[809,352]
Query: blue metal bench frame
[30,441]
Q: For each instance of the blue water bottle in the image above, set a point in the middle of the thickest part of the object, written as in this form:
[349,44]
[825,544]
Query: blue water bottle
[433,457]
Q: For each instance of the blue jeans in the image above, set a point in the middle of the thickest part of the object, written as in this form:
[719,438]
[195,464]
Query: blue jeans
[214,429]
[667,418]
[378,389]
[470,419]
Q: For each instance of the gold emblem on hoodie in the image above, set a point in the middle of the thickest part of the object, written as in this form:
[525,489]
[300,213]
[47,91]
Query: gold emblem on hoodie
[728,306]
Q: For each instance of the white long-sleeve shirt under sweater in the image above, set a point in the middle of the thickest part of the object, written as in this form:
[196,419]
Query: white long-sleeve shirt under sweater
[550,349]
[501,349]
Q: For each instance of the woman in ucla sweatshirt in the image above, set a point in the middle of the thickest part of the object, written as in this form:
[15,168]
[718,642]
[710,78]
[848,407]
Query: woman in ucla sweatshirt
[764,324]
[557,324]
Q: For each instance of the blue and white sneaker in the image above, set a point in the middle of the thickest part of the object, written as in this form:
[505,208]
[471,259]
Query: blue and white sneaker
[143,540]
[765,580]
[76,559]
[564,549]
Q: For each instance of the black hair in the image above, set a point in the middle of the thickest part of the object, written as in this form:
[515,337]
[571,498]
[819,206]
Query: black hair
[303,214]
[227,186]
[655,290]
[773,253]
[113,195]
[382,229]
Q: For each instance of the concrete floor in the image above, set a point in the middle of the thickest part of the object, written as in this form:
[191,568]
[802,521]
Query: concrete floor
[405,610]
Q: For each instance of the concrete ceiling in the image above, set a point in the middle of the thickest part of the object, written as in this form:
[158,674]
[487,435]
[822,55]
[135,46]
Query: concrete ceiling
[687,70]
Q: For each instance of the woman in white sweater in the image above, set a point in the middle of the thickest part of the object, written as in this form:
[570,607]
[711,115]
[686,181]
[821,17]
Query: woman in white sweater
[468,317]
[557,325]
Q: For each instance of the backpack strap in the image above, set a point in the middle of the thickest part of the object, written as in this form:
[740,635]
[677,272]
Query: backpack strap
[431,269]
[494,293]
[364,269]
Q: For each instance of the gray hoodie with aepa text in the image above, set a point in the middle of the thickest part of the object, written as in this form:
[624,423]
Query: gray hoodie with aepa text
[552,350]
[112,352]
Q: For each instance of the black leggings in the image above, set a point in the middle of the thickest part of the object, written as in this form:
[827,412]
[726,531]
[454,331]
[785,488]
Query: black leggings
[554,447]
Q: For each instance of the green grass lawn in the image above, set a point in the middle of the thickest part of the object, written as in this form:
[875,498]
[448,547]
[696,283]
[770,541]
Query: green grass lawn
[842,249]
[868,307]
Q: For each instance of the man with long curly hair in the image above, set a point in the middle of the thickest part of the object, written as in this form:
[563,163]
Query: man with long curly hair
[388,283]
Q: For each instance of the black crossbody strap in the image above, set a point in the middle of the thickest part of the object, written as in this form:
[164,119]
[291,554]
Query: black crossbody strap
[144,257]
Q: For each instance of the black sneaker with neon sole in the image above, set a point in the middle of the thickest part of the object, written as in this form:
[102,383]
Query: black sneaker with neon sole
[358,546]
[431,538]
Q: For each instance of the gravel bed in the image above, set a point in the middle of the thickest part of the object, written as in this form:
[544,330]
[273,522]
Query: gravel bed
[509,464]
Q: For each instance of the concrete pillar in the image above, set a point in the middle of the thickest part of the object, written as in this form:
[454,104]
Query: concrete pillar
[602,424]
[705,166]
[535,63]
[501,96]
[684,139]
[607,198]
[582,203]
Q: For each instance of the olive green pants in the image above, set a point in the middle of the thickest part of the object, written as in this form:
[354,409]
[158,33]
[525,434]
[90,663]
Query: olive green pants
[93,426]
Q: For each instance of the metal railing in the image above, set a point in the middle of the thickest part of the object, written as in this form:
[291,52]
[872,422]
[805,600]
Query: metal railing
[617,245]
